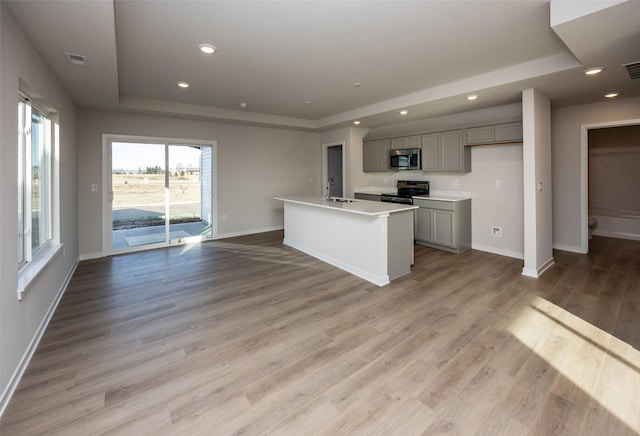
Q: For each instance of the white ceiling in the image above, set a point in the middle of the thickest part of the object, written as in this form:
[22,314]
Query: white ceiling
[424,56]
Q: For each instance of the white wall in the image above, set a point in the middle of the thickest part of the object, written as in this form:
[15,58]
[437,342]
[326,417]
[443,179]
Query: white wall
[254,165]
[490,206]
[20,321]
[565,138]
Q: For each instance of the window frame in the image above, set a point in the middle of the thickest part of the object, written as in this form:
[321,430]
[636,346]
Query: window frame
[32,261]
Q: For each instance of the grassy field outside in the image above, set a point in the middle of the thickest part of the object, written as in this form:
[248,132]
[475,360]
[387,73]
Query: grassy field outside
[142,189]
[142,197]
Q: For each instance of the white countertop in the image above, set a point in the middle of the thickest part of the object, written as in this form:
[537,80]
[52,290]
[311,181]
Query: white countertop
[363,207]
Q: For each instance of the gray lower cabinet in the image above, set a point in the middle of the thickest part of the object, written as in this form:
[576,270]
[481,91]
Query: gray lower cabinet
[443,224]
[376,155]
[366,196]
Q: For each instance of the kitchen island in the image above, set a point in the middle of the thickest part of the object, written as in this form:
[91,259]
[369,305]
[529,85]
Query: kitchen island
[370,239]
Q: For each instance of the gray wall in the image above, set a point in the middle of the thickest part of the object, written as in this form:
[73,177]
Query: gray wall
[565,139]
[614,163]
[254,164]
[22,67]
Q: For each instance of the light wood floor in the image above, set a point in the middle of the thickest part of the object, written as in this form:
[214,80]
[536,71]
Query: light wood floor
[246,336]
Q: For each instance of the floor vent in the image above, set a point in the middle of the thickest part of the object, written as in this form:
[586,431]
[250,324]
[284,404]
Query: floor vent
[633,69]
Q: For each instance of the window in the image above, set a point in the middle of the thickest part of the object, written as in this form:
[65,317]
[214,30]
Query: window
[34,182]
[38,187]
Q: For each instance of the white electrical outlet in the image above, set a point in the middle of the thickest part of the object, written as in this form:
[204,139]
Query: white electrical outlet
[496,232]
[498,184]
[224,217]
[94,187]
[456,182]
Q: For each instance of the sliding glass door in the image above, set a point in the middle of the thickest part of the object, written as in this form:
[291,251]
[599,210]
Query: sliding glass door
[160,193]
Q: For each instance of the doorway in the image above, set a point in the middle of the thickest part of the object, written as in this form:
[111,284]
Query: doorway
[584,174]
[158,193]
[333,170]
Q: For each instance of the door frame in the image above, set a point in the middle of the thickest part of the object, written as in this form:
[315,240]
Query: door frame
[584,175]
[107,227]
[325,167]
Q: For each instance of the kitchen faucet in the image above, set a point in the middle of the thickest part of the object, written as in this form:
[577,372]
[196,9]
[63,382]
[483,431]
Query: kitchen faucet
[329,183]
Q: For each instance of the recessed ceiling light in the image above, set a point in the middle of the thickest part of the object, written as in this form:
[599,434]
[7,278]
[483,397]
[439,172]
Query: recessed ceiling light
[308,102]
[472,97]
[611,95]
[358,84]
[183,84]
[357,123]
[404,112]
[243,105]
[593,71]
[207,48]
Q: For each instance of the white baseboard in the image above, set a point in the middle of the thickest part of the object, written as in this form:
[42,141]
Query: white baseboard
[28,354]
[535,273]
[619,235]
[494,250]
[90,256]
[569,248]
[248,232]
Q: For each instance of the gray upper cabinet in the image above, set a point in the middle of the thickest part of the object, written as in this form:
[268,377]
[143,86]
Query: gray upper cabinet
[509,132]
[405,142]
[376,155]
[441,151]
[431,152]
[481,135]
[444,151]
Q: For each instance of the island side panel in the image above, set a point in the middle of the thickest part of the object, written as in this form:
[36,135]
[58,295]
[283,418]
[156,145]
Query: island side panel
[355,243]
[400,245]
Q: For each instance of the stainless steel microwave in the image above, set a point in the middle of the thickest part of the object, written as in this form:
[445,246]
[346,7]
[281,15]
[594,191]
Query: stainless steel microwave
[405,159]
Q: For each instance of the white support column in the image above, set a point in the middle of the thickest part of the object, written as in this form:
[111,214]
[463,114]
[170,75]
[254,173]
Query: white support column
[538,228]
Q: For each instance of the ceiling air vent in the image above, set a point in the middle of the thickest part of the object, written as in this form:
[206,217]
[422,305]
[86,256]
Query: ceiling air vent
[633,69]
[76,59]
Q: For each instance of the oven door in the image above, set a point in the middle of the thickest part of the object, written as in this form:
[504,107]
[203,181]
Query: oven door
[390,198]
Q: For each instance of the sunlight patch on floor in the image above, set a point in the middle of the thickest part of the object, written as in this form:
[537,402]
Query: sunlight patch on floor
[602,369]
